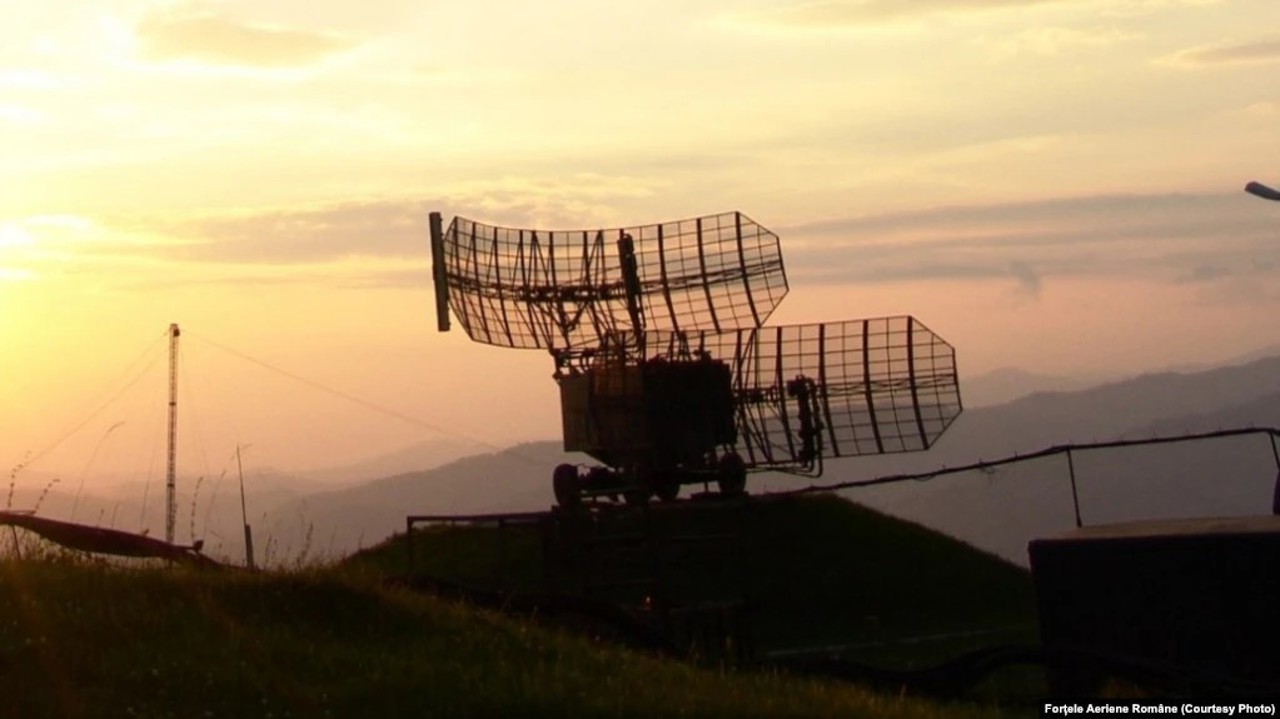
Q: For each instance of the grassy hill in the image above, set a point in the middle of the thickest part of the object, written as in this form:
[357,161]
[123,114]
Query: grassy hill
[816,571]
[87,640]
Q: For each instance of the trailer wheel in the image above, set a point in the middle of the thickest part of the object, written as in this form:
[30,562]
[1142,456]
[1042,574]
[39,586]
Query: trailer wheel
[635,497]
[565,485]
[732,478]
[665,486]
[638,482]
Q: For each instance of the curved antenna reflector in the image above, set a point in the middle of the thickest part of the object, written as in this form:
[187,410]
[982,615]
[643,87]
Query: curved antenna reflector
[567,290]
[874,386]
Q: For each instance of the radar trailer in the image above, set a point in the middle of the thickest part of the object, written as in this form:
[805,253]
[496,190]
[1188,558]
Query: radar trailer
[668,372]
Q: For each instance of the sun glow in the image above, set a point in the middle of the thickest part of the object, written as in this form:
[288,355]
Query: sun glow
[15,243]
[13,235]
[1026,177]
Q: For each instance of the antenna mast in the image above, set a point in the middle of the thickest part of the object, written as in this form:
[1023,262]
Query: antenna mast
[171,500]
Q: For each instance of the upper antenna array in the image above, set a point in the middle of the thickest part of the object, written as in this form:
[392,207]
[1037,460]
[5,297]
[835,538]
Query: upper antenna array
[570,291]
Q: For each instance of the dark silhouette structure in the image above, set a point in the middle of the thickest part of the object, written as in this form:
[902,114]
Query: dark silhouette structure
[101,540]
[1261,190]
[1194,598]
[668,373]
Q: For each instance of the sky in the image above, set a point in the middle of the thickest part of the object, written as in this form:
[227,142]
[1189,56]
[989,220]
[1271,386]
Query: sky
[1049,185]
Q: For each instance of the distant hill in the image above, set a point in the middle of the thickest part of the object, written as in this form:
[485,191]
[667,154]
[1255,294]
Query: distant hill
[1261,411]
[208,508]
[1118,409]
[414,458]
[1007,384]
[999,512]
[515,479]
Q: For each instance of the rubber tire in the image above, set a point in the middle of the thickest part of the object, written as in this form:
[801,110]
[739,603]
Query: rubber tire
[641,484]
[732,478]
[635,497]
[566,486]
[665,486]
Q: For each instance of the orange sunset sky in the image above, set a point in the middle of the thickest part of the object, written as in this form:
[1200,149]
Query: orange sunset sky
[1050,185]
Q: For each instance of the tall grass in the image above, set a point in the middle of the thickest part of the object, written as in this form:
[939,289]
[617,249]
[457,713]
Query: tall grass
[317,638]
[13,479]
[83,639]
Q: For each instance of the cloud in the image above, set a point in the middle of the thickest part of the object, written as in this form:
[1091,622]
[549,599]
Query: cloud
[1029,283]
[384,243]
[1264,110]
[1249,53]
[388,228]
[1173,237]
[404,275]
[221,41]
[1205,273]
[1050,41]
[1141,8]
[1153,212]
[28,79]
[845,13]
[835,14]
[20,115]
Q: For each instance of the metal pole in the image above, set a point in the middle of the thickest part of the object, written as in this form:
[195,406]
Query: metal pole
[408,543]
[1075,495]
[503,554]
[171,499]
[1275,496]
[244,516]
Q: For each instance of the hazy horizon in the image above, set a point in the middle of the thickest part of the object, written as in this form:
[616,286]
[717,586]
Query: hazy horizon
[88,453]
[1048,185]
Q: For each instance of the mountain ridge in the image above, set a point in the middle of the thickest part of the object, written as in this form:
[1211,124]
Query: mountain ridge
[997,512]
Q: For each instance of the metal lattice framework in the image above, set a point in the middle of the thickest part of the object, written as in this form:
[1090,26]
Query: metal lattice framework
[566,290]
[878,386]
[616,306]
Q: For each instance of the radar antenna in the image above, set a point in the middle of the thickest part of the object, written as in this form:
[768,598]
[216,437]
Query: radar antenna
[668,373]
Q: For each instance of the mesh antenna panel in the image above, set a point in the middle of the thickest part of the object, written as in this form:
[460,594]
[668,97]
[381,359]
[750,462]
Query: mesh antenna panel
[876,386]
[668,374]
[567,291]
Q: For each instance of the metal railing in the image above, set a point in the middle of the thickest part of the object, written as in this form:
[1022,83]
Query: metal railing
[1060,449]
[499,521]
